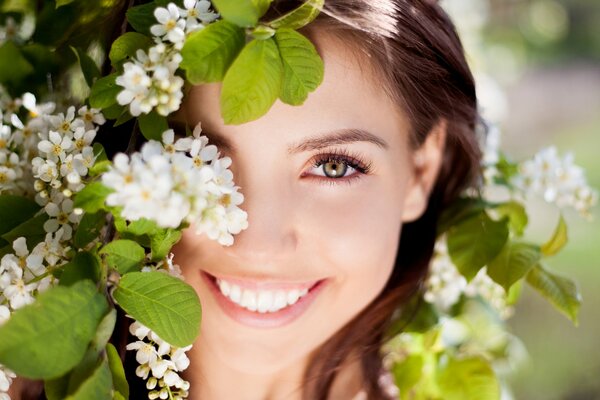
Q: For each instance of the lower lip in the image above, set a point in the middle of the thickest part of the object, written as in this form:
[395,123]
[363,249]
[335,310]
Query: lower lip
[253,319]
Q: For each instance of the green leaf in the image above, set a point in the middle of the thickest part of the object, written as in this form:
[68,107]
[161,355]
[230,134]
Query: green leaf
[517,216]
[513,263]
[252,83]
[126,45]
[17,69]
[84,265]
[60,3]
[118,373]
[46,339]
[163,303]
[408,373]
[459,210]
[468,379]
[14,210]
[475,242]
[114,111]
[558,240]
[560,291]
[104,92]
[208,53]
[123,255]
[299,17]
[302,66]
[97,387]
[141,17]
[99,167]
[99,152]
[32,229]
[142,226]
[89,228]
[88,66]
[91,198]
[123,118]
[105,330]
[153,125]
[56,389]
[162,241]
[244,13]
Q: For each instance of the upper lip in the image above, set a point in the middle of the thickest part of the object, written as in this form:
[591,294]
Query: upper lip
[253,283]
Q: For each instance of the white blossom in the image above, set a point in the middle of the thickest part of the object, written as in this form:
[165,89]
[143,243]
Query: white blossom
[176,181]
[170,26]
[6,378]
[445,285]
[91,117]
[197,14]
[558,180]
[160,363]
[56,146]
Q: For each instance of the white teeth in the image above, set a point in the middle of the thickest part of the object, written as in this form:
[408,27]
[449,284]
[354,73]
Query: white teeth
[292,297]
[262,300]
[248,300]
[265,299]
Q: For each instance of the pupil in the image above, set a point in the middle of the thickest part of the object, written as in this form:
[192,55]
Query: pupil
[334,169]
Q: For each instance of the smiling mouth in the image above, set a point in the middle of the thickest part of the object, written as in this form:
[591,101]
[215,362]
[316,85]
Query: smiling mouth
[271,298]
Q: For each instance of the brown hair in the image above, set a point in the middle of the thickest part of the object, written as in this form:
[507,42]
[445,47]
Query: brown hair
[416,52]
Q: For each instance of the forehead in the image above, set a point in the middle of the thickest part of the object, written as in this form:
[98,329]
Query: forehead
[351,96]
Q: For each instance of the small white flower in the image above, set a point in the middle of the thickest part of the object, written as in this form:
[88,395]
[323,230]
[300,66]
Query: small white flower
[35,110]
[91,117]
[83,138]
[56,147]
[170,26]
[146,353]
[62,216]
[197,14]
[66,124]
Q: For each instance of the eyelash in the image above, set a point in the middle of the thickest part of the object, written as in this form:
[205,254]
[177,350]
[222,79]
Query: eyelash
[353,160]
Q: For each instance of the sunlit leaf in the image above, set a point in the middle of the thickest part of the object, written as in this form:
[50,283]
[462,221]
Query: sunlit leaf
[165,304]
[513,263]
[252,83]
[46,339]
[560,291]
[475,242]
[300,16]
[468,379]
[302,66]
[244,13]
[558,239]
[208,53]
[123,255]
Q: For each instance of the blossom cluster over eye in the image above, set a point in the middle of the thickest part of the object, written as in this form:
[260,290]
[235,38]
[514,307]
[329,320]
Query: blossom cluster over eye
[177,181]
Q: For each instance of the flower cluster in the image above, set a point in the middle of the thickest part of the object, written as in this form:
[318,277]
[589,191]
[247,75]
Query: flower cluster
[11,30]
[178,181]
[160,364]
[149,79]
[558,180]
[65,156]
[445,285]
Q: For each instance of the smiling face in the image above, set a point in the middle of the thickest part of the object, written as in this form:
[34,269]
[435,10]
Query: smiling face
[327,186]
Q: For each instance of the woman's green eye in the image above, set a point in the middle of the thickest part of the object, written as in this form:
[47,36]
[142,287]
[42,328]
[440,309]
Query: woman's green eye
[335,169]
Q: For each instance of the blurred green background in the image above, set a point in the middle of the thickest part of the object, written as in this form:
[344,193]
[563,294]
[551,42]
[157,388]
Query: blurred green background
[540,62]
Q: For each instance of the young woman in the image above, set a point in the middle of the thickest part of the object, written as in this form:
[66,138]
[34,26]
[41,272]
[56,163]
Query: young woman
[343,194]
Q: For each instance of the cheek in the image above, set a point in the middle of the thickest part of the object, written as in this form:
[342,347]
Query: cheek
[359,232]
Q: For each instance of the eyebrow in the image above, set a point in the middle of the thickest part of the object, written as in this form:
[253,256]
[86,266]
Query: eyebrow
[320,141]
[340,136]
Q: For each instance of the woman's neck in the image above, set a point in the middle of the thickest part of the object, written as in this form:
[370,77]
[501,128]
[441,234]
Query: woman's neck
[211,378]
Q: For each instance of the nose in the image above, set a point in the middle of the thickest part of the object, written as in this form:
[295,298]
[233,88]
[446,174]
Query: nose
[271,235]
